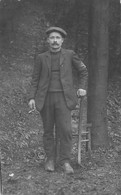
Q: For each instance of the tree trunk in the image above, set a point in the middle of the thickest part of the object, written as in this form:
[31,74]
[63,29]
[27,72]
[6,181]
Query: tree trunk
[114,37]
[98,71]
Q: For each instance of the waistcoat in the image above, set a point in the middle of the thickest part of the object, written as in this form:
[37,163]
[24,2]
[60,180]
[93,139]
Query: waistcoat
[55,82]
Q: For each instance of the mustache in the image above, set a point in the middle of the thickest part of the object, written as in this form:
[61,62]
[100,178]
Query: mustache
[55,43]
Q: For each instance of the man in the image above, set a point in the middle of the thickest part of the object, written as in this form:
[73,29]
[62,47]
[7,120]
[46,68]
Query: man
[53,94]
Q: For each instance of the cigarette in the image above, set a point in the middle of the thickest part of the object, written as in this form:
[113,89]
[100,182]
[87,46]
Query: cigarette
[31,111]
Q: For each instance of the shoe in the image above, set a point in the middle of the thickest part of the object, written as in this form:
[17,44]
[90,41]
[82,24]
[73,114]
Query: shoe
[49,165]
[67,168]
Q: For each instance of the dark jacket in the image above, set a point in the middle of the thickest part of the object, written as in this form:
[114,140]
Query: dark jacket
[42,74]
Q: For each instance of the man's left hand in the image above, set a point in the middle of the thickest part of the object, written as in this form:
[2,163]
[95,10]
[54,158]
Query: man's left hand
[81,92]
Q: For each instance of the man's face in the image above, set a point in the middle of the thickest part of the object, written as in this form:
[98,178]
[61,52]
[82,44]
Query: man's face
[55,40]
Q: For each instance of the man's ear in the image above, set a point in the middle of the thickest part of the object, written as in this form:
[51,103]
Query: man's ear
[62,40]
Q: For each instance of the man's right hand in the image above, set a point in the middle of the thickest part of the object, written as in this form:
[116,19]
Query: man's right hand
[32,104]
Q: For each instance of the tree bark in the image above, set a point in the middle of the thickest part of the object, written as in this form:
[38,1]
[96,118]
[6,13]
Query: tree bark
[114,37]
[98,71]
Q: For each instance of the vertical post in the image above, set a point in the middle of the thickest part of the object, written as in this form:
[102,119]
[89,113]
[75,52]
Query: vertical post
[80,128]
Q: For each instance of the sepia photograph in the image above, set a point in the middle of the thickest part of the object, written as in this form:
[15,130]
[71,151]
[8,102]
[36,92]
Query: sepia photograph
[60,97]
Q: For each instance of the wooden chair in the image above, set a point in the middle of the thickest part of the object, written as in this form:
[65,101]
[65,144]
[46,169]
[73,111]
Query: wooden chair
[84,136]
[84,131]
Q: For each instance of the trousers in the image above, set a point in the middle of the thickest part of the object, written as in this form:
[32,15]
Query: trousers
[56,115]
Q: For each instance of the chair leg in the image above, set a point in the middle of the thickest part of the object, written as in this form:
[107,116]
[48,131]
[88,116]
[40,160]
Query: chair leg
[87,139]
[79,148]
[89,144]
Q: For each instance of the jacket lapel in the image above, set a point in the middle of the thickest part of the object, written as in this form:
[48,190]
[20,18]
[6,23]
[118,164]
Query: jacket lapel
[62,55]
[48,60]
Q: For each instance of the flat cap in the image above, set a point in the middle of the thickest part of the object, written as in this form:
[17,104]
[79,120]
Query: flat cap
[56,29]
